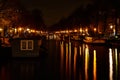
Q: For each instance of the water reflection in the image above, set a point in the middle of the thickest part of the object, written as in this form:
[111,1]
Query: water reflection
[119,67]
[62,59]
[75,61]
[86,61]
[116,63]
[88,56]
[5,75]
[80,62]
[94,65]
[113,63]
[70,60]
[67,61]
[110,65]
[80,50]
[20,70]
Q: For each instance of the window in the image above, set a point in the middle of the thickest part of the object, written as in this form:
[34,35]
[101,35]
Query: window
[26,45]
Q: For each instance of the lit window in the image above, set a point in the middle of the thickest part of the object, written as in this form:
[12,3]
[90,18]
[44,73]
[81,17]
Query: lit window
[26,45]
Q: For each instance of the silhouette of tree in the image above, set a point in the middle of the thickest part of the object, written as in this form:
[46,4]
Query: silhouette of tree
[11,12]
[38,20]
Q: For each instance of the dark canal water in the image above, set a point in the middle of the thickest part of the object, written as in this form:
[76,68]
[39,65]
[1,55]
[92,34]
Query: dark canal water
[65,61]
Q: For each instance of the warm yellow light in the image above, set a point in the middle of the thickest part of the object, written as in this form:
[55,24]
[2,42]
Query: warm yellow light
[40,32]
[70,31]
[33,31]
[75,60]
[62,31]
[15,30]
[95,29]
[1,29]
[10,31]
[86,62]
[80,29]
[75,30]
[67,31]
[111,27]
[86,30]
[110,64]
[57,32]
[94,65]
[19,29]
[28,29]
[67,58]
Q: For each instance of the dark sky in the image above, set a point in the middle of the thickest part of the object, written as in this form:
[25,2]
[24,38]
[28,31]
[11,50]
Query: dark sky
[54,10]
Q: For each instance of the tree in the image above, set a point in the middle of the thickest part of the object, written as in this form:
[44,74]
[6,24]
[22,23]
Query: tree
[38,20]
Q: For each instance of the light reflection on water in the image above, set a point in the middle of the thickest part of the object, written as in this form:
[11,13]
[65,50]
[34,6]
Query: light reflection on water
[119,67]
[75,61]
[70,61]
[113,63]
[89,59]
[86,62]
[80,50]
[110,65]
[116,63]
[94,65]
[62,59]
[67,61]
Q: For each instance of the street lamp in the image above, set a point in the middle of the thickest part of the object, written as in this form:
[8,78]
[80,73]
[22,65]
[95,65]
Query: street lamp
[95,29]
[20,29]
[111,27]
[113,31]
[80,30]
[1,29]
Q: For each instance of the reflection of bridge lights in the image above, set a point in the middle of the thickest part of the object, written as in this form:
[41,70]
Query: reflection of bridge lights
[94,65]
[110,65]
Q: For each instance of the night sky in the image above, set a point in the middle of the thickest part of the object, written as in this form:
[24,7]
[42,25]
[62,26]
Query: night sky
[54,10]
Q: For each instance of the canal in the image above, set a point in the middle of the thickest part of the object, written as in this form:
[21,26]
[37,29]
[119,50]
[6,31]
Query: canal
[65,61]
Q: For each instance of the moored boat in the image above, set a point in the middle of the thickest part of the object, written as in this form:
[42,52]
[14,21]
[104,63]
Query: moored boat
[92,40]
